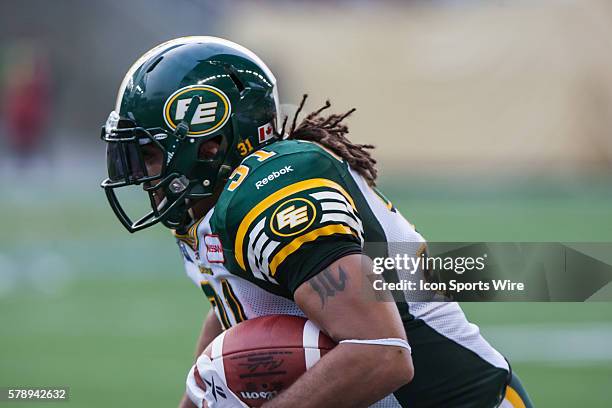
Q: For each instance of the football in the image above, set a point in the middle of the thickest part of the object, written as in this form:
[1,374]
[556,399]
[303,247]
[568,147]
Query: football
[260,357]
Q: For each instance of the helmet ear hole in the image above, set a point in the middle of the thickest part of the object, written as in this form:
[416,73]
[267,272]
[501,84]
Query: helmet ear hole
[209,148]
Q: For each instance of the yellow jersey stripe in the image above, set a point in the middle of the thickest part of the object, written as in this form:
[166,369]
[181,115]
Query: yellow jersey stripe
[184,237]
[308,237]
[513,398]
[229,293]
[191,236]
[216,302]
[193,232]
[272,199]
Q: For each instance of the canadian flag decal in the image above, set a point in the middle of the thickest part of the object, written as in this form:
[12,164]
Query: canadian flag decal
[265,132]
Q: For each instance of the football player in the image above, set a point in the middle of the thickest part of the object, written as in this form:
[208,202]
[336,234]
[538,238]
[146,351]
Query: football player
[272,218]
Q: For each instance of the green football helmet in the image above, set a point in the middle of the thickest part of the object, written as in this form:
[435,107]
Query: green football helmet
[177,96]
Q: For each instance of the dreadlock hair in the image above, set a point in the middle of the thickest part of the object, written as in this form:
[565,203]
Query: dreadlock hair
[329,132]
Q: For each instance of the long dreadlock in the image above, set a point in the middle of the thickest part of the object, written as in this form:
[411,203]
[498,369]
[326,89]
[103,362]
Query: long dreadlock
[329,132]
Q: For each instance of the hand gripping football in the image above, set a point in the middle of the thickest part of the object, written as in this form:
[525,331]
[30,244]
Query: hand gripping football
[255,360]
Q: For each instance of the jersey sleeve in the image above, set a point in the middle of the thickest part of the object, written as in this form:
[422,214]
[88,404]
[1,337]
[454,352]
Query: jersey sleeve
[299,224]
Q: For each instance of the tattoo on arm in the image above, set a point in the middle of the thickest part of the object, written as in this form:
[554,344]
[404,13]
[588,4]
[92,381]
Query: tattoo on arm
[327,285]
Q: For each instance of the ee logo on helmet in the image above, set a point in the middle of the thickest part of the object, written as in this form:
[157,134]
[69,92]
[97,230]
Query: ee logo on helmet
[212,112]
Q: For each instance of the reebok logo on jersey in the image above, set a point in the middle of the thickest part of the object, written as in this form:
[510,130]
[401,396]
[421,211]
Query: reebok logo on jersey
[214,249]
[273,175]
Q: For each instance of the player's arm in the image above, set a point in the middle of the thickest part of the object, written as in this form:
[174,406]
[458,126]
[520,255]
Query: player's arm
[342,304]
[210,329]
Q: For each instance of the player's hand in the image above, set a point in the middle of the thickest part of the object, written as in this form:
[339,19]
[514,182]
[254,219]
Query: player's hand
[206,388]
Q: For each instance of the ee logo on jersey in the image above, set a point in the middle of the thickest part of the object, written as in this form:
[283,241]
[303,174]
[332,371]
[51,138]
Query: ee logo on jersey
[292,217]
[212,112]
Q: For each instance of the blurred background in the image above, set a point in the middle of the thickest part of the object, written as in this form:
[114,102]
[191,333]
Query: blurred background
[493,121]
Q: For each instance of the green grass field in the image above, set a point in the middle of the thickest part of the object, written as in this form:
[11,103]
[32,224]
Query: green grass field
[112,315]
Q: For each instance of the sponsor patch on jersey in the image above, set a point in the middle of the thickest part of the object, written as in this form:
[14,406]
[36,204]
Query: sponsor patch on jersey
[293,217]
[214,249]
[265,132]
[275,174]
[212,112]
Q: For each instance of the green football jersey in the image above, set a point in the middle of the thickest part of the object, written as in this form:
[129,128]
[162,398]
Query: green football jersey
[291,209]
[287,212]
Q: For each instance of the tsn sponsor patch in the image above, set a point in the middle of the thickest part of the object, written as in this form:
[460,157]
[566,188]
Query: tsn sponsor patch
[275,174]
[265,132]
[214,249]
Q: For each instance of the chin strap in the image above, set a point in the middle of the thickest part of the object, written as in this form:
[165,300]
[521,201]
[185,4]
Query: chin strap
[397,342]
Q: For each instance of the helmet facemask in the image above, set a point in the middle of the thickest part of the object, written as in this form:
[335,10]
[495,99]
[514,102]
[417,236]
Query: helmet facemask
[179,183]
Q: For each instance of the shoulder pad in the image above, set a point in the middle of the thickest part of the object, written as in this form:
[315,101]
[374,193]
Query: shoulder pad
[286,200]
